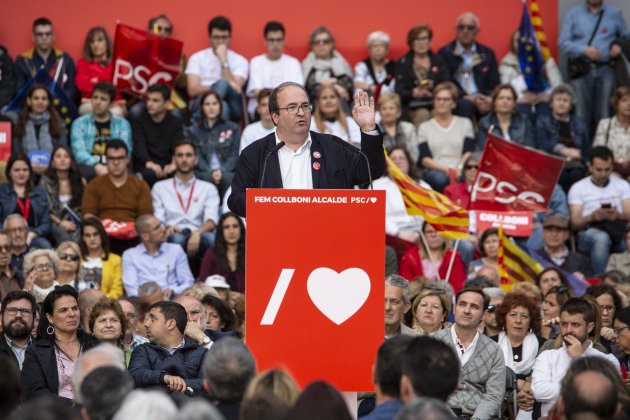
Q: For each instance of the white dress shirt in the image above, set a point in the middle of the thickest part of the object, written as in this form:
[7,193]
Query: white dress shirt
[295,167]
[466,354]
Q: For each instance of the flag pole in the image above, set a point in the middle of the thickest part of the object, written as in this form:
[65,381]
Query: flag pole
[426,247]
[450,264]
[58,70]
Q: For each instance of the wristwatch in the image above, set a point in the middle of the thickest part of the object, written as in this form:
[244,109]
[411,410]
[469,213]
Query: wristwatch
[225,65]
[206,340]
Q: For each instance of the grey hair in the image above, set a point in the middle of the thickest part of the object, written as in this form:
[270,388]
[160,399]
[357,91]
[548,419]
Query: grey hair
[109,355]
[426,409]
[143,222]
[468,15]
[493,292]
[399,281]
[378,36]
[199,410]
[564,89]
[104,390]
[14,216]
[30,257]
[148,288]
[228,368]
[147,405]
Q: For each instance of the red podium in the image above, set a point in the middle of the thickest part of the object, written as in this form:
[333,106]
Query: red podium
[315,283]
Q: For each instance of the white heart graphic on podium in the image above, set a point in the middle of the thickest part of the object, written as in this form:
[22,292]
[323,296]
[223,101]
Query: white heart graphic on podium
[338,295]
[373,199]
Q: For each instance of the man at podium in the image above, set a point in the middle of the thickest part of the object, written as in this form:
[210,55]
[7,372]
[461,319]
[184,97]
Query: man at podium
[296,158]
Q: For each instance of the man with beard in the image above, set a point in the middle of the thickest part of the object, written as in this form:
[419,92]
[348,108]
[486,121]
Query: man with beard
[577,320]
[9,278]
[18,317]
[496,296]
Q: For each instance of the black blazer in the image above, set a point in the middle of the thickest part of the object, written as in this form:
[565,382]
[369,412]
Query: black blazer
[340,167]
[39,371]
[5,349]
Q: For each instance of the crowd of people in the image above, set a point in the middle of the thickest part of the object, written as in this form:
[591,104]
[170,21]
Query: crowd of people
[122,253]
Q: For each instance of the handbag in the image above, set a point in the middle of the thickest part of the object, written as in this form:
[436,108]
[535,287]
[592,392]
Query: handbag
[580,66]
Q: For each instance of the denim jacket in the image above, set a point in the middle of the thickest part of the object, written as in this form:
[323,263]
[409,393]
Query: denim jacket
[548,130]
[39,204]
[222,139]
[521,130]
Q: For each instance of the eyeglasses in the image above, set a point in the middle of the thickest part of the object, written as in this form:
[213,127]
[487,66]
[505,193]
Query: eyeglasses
[322,41]
[22,311]
[71,257]
[607,308]
[293,108]
[492,309]
[43,267]
[466,27]
[422,39]
[618,331]
[469,167]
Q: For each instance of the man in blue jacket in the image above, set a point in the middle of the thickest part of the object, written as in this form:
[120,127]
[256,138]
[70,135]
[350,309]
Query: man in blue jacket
[169,360]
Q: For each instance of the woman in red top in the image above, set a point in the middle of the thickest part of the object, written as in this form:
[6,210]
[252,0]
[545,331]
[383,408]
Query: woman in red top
[433,263]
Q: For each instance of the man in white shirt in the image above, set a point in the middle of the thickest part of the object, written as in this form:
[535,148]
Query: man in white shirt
[261,128]
[189,207]
[272,68]
[577,320]
[599,206]
[220,69]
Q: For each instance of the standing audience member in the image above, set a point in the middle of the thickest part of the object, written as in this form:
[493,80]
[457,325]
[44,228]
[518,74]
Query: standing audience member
[100,266]
[614,132]
[396,133]
[18,316]
[377,73]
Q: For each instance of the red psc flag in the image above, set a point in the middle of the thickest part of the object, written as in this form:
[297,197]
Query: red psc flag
[514,178]
[142,59]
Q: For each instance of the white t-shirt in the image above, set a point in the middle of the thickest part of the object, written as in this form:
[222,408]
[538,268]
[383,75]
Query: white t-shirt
[207,66]
[446,144]
[266,73]
[591,197]
[253,132]
[353,135]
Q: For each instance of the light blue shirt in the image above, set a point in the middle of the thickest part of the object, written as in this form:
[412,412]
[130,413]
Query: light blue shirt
[466,77]
[168,268]
[579,24]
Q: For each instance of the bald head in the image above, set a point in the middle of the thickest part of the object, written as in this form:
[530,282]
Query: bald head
[87,300]
[591,392]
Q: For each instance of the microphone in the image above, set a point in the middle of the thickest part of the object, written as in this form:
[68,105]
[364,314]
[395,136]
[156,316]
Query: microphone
[271,152]
[356,150]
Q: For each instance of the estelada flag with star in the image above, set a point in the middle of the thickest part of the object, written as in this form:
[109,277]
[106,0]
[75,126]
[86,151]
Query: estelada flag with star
[530,56]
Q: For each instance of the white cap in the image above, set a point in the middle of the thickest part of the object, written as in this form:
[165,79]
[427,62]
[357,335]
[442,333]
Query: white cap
[217,281]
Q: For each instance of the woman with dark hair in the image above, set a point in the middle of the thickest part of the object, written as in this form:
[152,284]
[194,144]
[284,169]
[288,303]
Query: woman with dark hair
[553,300]
[609,303]
[319,400]
[460,193]
[219,316]
[64,187]
[505,120]
[227,258]
[217,141]
[417,72]
[330,118]
[18,196]
[622,339]
[50,360]
[108,322]
[549,278]
[614,132]
[39,128]
[488,245]
[100,266]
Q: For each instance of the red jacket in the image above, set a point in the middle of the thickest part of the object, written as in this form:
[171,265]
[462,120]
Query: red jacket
[88,70]
[411,266]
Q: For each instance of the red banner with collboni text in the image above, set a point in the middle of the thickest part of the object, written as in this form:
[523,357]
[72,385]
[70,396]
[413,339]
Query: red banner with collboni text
[142,59]
[514,178]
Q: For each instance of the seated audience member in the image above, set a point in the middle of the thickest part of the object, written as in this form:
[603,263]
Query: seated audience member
[16,227]
[329,117]
[397,303]
[40,272]
[433,258]
[577,320]
[103,391]
[117,196]
[622,336]
[48,363]
[170,360]
[155,132]
[482,379]
[188,207]
[472,66]
[614,132]
[100,266]
[87,300]
[621,261]
[505,120]
[151,292]
[217,141]
[96,66]
[325,66]
[446,140]
[430,310]
[39,128]
[530,290]
[491,326]
[425,408]
[227,370]
[430,369]
[155,260]
[610,304]
[275,382]
[19,196]
[600,209]
[551,277]
[386,376]
[10,279]
[396,133]
[488,245]
[102,355]
[460,192]
[377,73]
[564,134]
[64,186]
[219,69]
[18,317]
[266,71]
[262,128]
[45,55]
[219,314]
[417,72]
[320,400]
[146,405]
[220,286]
[553,299]
[108,322]
[556,234]
[227,258]
[91,132]
[131,337]
[70,271]
[196,324]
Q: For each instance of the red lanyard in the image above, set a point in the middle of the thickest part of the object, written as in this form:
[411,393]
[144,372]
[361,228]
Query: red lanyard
[179,197]
[26,207]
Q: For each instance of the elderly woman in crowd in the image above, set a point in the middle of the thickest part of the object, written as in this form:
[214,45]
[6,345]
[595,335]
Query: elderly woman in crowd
[376,74]
[609,303]
[219,315]
[505,119]
[40,270]
[100,266]
[553,300]
[50,361]
[430,310]
[108,322]
[396,132]
[324,66]
[446,140]
[418,72]
[563,134]
[614,132]
[329,117]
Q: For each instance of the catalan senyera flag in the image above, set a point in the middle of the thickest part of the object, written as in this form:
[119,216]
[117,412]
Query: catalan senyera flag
[447,219]
[540,30]
[515,265]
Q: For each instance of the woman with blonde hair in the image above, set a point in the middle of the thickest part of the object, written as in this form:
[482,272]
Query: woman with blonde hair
[276,382]
[329,117]
[70,270]
[430,310]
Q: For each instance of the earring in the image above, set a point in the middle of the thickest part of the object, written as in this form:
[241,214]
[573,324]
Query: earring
[50,330]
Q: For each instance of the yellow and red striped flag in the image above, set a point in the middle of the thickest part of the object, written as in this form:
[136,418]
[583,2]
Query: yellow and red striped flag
[515,265]
[538,27]
[447,219]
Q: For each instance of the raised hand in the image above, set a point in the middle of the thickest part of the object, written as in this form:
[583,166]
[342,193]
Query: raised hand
[363,111]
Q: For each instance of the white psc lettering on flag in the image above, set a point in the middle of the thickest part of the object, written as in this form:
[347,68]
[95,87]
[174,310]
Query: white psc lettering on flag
[124,70]
[506,192]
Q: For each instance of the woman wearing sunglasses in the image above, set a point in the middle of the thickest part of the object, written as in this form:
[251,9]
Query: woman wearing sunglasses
[70,271]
